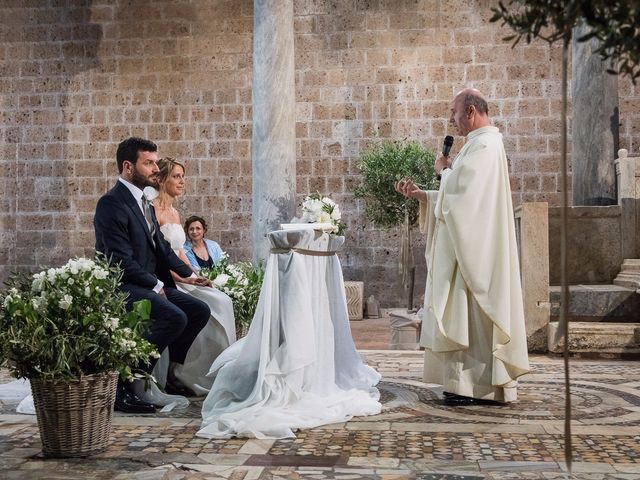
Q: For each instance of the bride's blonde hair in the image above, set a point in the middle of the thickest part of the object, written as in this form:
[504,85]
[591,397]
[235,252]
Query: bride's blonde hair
[166,166]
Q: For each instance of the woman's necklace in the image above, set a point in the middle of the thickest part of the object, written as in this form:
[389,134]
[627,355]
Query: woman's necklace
[201,250]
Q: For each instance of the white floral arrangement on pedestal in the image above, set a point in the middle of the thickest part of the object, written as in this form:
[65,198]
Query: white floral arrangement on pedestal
[323,210]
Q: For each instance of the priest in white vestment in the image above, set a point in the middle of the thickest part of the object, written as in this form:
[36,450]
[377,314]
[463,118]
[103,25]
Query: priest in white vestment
[473,329]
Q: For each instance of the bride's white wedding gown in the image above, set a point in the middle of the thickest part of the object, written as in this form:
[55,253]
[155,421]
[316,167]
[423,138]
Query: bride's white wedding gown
[298,366]
[216,336]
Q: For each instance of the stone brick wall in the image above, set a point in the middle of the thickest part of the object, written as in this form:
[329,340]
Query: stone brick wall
[78,77]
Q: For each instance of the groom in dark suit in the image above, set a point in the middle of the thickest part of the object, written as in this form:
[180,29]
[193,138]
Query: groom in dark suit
[128,233]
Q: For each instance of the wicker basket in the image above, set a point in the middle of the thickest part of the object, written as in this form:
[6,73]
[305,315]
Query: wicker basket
[74,417]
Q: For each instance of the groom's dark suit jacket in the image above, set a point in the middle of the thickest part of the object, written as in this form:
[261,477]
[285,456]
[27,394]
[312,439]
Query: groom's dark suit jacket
[122,235]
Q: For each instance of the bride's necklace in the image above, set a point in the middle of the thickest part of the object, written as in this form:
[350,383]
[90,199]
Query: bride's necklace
[164,206]
[169,208]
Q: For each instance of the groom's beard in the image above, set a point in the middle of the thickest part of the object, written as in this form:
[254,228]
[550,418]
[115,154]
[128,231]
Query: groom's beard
[141,181]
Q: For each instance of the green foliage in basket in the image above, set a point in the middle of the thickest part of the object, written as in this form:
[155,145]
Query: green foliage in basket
[242,282]
[66,322]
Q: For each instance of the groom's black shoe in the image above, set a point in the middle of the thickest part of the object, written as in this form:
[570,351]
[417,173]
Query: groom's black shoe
[128,402]
[174,387]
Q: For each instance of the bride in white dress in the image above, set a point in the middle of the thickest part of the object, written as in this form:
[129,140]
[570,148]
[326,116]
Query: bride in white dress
[220,331]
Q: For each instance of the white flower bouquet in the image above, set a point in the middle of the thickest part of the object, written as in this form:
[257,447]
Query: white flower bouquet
[71,321]
[321,209]
[242,282]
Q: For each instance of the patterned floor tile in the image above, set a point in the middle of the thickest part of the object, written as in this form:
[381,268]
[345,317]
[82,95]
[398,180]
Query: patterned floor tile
[416,436]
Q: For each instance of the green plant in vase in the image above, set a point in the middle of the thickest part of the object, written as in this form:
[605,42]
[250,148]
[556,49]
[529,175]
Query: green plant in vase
[381,166]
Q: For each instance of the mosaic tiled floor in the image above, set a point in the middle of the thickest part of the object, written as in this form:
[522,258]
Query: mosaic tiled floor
[415,436]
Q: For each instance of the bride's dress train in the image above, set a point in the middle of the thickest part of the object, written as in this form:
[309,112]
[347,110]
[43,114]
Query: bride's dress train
[216,336]
[298,366]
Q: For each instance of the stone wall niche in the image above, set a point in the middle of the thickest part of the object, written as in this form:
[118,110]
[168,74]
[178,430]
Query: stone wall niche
[594,246]
[628,179]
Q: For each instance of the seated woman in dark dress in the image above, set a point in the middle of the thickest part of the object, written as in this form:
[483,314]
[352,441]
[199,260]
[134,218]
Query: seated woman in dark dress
[201,252]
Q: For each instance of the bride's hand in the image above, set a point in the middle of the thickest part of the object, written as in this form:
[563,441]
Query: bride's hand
[202,282]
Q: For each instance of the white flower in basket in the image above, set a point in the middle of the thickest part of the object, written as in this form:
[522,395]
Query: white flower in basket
[67,330]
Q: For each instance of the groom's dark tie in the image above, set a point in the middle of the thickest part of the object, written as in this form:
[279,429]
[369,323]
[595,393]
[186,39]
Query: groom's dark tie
[146,208]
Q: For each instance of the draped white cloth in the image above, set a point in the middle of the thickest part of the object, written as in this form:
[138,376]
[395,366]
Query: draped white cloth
[18,391]
[217,335]
[298,366]
[473,331]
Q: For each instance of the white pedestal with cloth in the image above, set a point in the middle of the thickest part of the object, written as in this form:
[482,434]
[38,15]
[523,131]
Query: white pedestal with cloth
[298,366]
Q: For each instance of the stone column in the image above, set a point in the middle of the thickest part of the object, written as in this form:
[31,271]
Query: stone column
[273,145]
[594,127]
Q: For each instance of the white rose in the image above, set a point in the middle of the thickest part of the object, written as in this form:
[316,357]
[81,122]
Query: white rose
[111,323]
[51,275]
[100,273]
[72,265]
[308,217]
[221,280]
[324,217]
[65,302]
[85,264]
[36,285]
[328,201]
[335,214]
[316,205]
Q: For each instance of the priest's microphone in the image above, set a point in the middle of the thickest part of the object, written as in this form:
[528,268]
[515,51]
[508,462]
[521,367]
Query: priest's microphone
[448,143]
[446,148]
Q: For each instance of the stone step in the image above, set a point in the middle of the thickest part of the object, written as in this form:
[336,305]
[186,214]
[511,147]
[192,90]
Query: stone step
[629,275]
[601,339]
[598,303]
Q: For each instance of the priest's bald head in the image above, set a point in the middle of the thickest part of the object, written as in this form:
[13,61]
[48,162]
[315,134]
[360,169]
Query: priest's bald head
[469,111]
